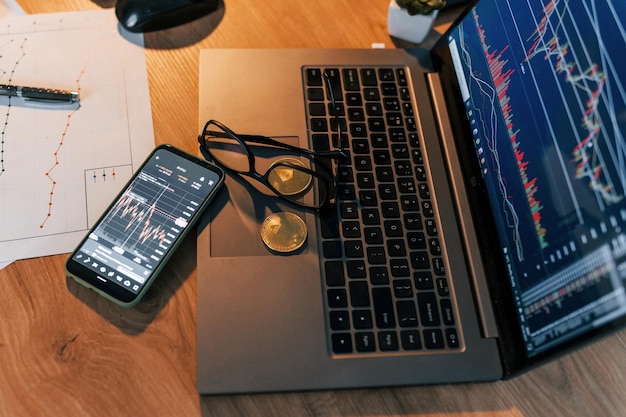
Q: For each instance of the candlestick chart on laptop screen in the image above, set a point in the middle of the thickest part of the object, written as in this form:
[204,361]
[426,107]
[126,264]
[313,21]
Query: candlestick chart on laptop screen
[544,95]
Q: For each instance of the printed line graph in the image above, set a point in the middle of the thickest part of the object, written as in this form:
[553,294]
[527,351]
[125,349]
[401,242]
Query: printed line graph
[8,112]
[49,196]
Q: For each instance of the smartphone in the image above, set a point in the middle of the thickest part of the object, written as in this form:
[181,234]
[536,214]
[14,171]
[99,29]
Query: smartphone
[132,241]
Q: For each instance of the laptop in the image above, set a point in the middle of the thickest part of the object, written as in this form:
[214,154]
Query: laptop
[505,247]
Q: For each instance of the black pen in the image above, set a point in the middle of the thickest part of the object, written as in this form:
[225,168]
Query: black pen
[41,95]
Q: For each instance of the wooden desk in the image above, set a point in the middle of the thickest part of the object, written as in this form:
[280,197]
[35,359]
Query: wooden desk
[67,352]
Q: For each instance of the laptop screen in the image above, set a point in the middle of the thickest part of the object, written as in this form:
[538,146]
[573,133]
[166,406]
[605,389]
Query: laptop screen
[542,85]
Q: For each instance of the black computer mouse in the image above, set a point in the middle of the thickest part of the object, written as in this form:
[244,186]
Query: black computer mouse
[150,15]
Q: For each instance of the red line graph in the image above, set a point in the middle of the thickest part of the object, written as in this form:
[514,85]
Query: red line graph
[56,163]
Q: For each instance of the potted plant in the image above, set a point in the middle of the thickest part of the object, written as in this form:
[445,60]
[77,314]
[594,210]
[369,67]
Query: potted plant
[411,20]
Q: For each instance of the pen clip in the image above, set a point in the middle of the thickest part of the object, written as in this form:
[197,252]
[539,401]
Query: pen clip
[49,104]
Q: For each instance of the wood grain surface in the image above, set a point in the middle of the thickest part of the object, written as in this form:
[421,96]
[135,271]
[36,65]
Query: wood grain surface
[67,352]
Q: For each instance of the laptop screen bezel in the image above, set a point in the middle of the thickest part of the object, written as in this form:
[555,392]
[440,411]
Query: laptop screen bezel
[511,342]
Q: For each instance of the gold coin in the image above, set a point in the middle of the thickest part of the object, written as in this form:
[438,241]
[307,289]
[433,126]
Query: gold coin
[287,180]
[283,232]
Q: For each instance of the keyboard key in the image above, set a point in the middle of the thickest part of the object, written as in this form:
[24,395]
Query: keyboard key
[409,202]
[365,180]
[410,339]
[373,109]
[353,248]
[337,298]
[389,90]
[433,339]
[413,221]
[379,275]
[376,255]
[335,82]
[452,338]
[351,79]
[368,198]
[368,76]
[401,77]
[402,288]
[446,312]
[349,210]
[376,124]
[416,240]
[363,163]
[384,174]
[393,228]
[423,280]
[390,209]
[315,94]
[356,268]
[362,319]
[373,235]
[392,104]
[339,320]
[442,287]
[360,146]
[342,343]
[403,168]
[428,309]
[383,308]
[386,74]
[356,115]
[333,270]
[407,315]
[439,267]
[396,248]
[382,157]
[351,229]
[331,249]
[399,268]
[313,77]
[319,125]
[388,341]
[371,94]
[371,216]
[359,294]
[420,259]
[365,342]
[354,99]
[317,109]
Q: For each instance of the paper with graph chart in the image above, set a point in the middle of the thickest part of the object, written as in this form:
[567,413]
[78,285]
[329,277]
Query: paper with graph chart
[60,166]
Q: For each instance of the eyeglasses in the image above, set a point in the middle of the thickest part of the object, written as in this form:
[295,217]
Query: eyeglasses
[293,175]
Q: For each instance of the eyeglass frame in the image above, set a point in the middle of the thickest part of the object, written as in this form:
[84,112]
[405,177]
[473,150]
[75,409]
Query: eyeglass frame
[245,139]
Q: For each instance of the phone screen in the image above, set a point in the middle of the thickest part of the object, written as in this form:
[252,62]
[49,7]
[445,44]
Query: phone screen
[130,243]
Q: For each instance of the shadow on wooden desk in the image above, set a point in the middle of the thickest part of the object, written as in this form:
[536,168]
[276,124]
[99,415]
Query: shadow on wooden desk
[135,320]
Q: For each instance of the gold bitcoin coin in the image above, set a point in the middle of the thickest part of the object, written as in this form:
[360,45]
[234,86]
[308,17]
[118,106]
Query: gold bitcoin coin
[287,180]
[283,232]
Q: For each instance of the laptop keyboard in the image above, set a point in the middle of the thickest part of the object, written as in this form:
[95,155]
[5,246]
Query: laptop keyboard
[385,278]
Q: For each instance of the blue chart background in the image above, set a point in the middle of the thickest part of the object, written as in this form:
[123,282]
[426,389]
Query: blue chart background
[549,127]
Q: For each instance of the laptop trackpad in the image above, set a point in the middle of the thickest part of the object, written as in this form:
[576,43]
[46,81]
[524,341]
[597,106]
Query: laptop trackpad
[238,211]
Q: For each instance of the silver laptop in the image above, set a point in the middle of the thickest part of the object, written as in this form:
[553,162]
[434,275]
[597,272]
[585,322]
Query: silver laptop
[478,227]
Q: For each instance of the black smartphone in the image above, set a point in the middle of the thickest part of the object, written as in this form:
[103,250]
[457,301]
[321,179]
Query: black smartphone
[129,245]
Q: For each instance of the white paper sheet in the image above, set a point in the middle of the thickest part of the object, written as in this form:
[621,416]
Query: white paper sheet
[61,167]
[10,8]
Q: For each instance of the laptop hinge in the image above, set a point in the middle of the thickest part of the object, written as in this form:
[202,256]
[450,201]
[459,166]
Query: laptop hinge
[468,234]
